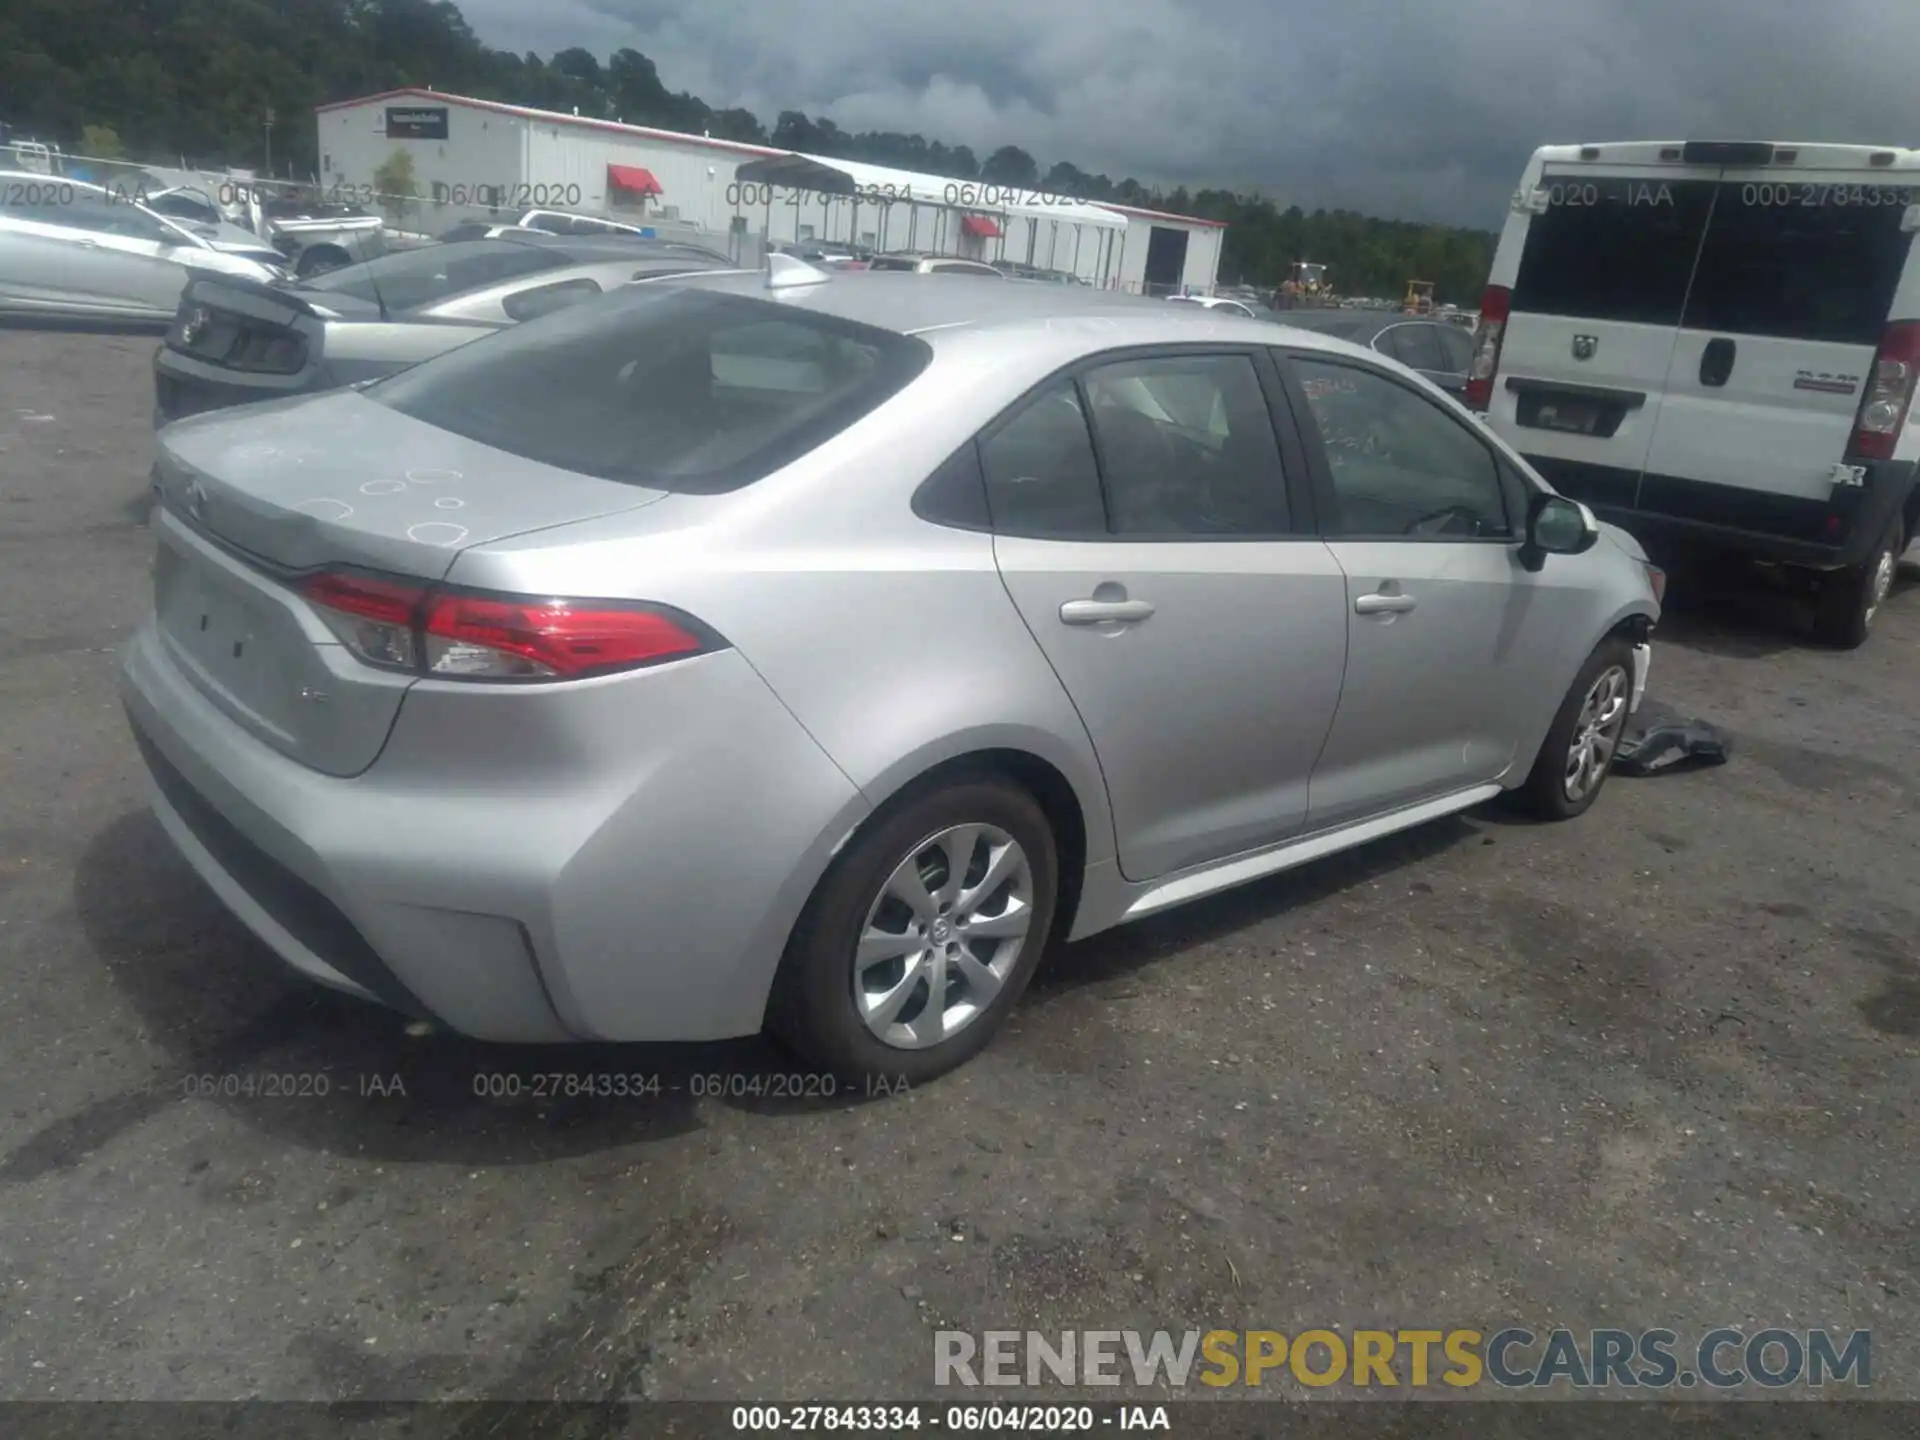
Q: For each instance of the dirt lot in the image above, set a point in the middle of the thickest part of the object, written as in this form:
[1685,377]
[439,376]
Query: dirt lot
[1653,1068]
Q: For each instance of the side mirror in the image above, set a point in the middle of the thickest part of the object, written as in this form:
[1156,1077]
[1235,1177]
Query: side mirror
[1557,526]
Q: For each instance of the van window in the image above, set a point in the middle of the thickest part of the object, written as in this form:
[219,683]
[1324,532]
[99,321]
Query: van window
[1800,262]
[1613,249]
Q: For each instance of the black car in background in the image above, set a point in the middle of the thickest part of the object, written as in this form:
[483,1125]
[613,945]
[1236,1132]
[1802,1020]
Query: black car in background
[1439,350]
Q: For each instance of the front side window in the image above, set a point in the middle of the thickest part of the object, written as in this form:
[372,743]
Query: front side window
[680,390]
[1187,447]
[1401,466]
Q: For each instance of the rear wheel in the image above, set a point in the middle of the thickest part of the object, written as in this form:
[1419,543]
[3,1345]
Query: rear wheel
[1851,598]
[922,935]
[1577,755]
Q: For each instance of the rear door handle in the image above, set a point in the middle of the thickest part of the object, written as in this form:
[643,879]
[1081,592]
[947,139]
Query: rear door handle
[1100,612]
[1383,604]
[1716,361]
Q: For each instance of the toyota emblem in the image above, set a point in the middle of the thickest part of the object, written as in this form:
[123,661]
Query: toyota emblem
[1584,346]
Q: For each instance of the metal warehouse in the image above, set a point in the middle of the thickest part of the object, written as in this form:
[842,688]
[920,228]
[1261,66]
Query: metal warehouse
[483,157]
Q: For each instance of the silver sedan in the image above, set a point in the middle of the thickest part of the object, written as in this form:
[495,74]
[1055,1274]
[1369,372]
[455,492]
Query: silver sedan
[815,651]
[70,250]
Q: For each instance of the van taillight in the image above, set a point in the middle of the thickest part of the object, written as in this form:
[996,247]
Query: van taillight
[1494,307]
[1889,392]
[450,634]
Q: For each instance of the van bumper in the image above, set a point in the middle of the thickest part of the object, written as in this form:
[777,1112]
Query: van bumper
[1823,534]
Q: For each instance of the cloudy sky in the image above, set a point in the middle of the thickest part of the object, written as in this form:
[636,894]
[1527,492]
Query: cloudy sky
[1424,111]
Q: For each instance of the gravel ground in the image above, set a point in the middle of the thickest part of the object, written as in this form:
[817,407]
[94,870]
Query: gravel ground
[1652,1068]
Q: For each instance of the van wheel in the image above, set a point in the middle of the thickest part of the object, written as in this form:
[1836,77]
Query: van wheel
[1851,598]
[922,935]
[1577,755]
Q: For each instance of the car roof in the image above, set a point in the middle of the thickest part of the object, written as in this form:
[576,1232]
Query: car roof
[591,249]
[938,306]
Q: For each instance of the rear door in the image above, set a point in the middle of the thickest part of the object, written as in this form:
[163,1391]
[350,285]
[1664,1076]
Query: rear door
[1788,303]
[1195,622]
[1595,314]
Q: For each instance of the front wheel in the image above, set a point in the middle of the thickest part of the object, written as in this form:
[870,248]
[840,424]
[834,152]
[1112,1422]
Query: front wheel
[1851,598]
[922,935]
[1577,755]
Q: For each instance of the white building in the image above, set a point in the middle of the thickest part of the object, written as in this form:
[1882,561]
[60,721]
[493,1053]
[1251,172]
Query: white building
[478,157]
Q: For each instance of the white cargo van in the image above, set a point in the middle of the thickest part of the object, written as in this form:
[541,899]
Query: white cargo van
[1717,341]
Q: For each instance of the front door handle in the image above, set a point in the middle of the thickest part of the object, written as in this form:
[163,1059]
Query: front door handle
[1101,612]
[1383,604]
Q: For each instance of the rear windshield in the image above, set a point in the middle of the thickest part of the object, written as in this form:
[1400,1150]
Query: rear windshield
[673,389]
[1794,260]
[412,279]
[1800,261]
[1613,249]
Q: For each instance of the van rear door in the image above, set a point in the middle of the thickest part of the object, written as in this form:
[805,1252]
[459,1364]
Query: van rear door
[1796,279]
[1595,310]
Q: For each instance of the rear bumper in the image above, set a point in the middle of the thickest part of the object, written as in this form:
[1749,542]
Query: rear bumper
[1826,533]
[640,887]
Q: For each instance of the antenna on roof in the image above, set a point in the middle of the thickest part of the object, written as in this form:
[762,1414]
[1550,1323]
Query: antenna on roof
[786,271]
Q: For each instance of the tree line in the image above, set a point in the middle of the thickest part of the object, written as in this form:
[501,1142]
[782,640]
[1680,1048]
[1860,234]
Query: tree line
[235,82]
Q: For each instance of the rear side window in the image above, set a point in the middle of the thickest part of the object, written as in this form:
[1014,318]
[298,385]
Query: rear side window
[1613,249]
[882,262]
[680,390]
[1041,476]
[1799,261]
[1187,447]
[1415,345]
[1457,346]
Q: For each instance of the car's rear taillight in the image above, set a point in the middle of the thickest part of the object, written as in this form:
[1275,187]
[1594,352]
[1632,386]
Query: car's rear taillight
[1889,392]
[1494,308]
[473,635]
[498,637]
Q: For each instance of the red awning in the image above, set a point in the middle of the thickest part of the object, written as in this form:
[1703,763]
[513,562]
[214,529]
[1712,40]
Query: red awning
[633,179]
[979,225]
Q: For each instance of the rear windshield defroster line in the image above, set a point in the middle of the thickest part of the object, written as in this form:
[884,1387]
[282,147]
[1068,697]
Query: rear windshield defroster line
[683,390]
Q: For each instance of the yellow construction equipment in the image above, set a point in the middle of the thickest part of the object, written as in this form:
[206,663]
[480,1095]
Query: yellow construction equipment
[1419,299]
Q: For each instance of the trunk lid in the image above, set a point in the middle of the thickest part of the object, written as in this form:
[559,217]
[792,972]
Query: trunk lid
[250,500]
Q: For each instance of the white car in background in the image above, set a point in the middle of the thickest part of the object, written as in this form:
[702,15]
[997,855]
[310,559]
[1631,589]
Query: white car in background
[70,250]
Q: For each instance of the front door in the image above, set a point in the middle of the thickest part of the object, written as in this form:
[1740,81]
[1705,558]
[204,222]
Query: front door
[1449,635]
[1199,635]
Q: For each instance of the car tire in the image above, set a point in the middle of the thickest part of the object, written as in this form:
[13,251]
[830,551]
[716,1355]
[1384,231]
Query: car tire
[830,1002]
[1587,724]
[1851,599]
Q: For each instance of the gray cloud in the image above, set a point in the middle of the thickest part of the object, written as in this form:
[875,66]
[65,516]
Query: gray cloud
[1419,111]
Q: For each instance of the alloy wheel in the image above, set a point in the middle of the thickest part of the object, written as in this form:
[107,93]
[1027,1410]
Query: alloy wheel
[944,933]
[1596,734]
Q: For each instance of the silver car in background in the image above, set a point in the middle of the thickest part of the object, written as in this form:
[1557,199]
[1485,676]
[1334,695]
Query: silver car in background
[233,343]
[813,651]
[75,251]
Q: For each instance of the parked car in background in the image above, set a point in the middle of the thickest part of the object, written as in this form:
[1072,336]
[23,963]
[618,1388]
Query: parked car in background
[1016,270]
[231,343]
[1717,342]
[807,650]
[1250,309]
[1437,349]
[71,250]
[921,263]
